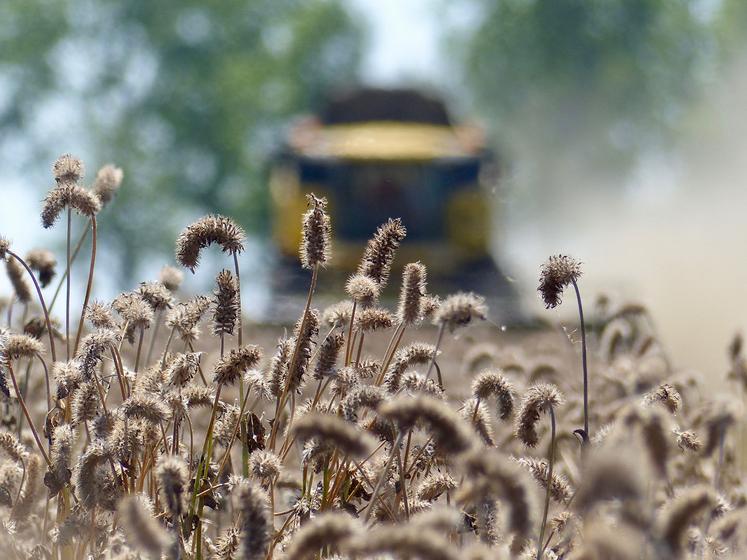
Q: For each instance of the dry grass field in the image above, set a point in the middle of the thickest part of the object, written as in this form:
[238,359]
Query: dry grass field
[166,425]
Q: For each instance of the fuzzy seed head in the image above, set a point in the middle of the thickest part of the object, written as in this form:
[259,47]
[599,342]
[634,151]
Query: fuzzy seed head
[172,476]
[43,262]
[362,289]
[256,526]
[146,407]
[380,251]
[411,294]
[555,274]
[136,514]
[183,368]
[329,353]
[491,382]
[211,229]
[231,367]
[373,319]
[459,310]
[560,490]
[156,295]
[333,431]
[17,346]
[225,304]
[316,234]
[450,432]
[107,183]
[16,273]
[537,400]
[171,277]
[67,169]
[264,465]
[338,314]
[4,247]
[68,195]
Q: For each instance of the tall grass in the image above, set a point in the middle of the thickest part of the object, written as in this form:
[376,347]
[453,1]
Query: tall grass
[159,431]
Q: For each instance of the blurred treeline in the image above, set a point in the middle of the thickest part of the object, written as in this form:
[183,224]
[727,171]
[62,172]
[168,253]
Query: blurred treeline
[190,96]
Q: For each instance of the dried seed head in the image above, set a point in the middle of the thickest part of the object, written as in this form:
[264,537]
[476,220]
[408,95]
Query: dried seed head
[183,368]
[4,247]
[304,334]
[68,376]
[92,349]
[185,316]
[100,315]
[404,542]
[227,545]
[150,408]
[667,395]
[688,440]
[367,396]
[172,475]
[85,403]
[380,251]
[429,305]
[156,295]
[718,421]
[477,414]
[316,234]
[492,382]
[16,273]
[329,530]
[362,289]
[30,490]
[84,478]
[225,304]
[373,319]
[417,353]
[610,475]
[107,183]
[136,515]
[67,169]
[17,346]
[43,262]
[450,432]
[488,473]
[435,484]
[278,369]
[256,525]
[12,447]
[459,309]
[265,465]
[683,511]
[171,277]
[203,233]
[411,293]
[60,454]
[333,431]
[558,272]
[68,195]
[232,367]
[329,352]
[338,314]
[136,312]
[538,399]
[560,490]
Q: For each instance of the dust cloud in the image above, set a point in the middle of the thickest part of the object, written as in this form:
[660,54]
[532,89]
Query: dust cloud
[674,239]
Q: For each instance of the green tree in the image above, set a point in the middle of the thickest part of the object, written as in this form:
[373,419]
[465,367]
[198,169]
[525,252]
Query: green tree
[598,81]
[185,95]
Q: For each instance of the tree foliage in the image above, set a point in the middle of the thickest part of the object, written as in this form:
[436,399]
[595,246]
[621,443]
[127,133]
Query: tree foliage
[602,78]
[183,94]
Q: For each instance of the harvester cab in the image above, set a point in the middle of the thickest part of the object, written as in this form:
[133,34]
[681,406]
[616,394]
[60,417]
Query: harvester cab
[376,154]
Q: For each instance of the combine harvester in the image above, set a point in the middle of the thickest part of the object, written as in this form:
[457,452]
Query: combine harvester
[376,154]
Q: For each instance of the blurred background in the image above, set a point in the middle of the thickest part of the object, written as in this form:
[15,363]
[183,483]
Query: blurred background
[501,130]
